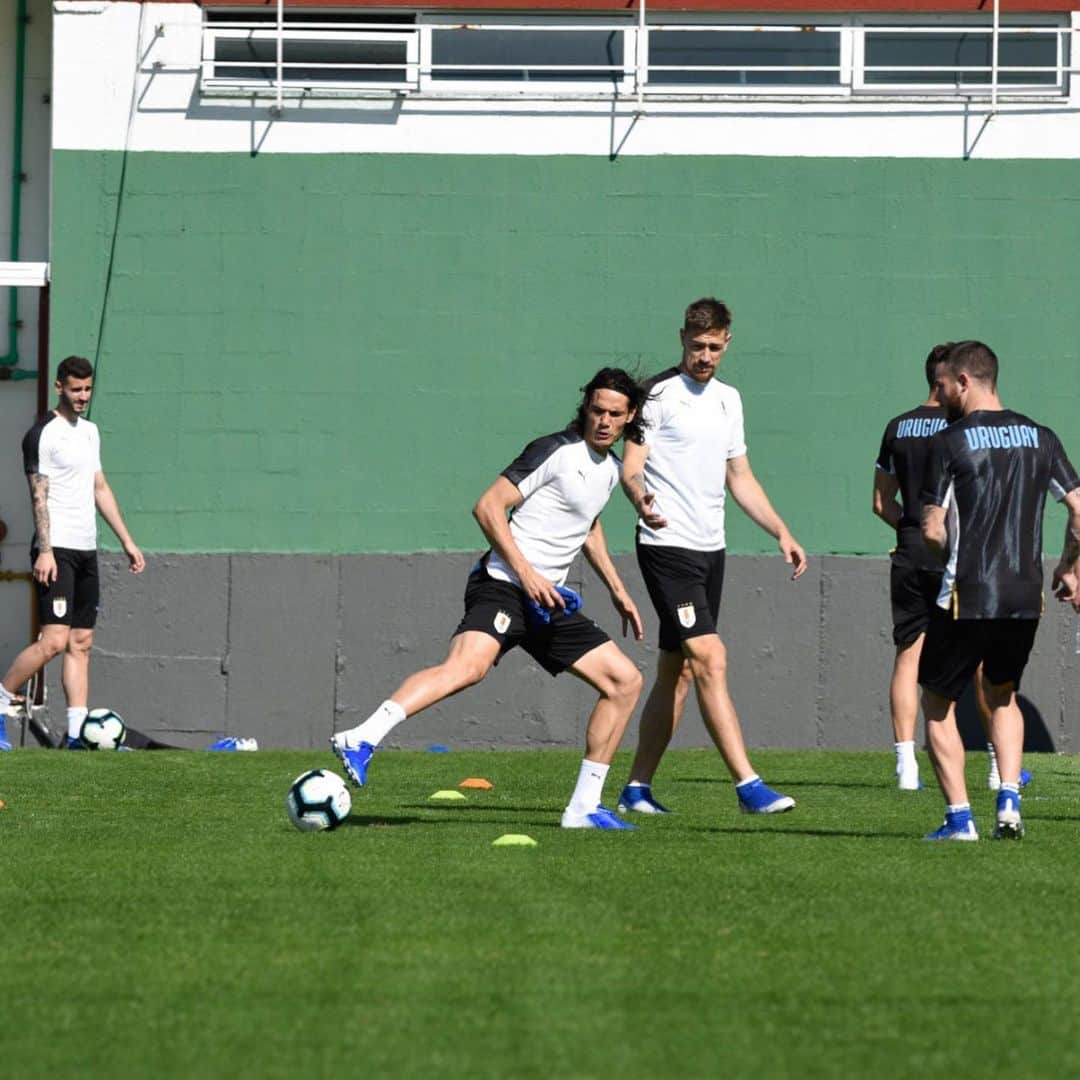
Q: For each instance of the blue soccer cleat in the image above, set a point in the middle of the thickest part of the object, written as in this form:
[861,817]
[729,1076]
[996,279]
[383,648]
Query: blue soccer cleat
[1009,824]
[639,799]
[71,743]
[756,798]
[600,818]
[1025,778]
[355,762]
[5,743]
[231,742]
[959,825]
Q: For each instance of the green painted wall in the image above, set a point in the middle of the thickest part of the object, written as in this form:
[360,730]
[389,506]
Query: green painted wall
[338,353]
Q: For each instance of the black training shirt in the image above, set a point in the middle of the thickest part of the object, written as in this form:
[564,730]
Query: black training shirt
[903,453]
[992,470]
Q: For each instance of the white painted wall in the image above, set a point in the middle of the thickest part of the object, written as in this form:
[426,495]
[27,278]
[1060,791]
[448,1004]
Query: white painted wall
[17,399]
[102,104]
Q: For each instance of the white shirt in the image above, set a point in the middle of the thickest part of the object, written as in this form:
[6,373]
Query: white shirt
[692,430]
[565,485]
[69,457]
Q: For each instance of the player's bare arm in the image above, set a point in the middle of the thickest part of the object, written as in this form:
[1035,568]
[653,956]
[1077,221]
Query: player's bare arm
[886,506]
[751,497]
[45,563]
[596,551]
[490,513]
[632,479]
[109,509]
[933,530]
[1066,580]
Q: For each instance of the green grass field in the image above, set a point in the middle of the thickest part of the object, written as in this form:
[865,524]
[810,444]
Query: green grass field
[161,918]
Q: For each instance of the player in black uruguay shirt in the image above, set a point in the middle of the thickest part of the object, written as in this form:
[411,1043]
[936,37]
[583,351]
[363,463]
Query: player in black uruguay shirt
[987,476]
[915,574]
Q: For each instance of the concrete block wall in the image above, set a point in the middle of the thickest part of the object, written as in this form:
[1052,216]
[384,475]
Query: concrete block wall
[286,648]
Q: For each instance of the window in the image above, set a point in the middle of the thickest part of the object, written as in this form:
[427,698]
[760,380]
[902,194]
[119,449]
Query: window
[764,57]
[560,55]
[537,56]
[316,51]
[952,58]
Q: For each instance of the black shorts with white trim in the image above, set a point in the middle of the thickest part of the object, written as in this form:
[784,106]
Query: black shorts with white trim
[685,587]
[497,608]
[954,648]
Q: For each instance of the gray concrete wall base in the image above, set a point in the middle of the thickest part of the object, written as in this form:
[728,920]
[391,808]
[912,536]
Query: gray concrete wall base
[286,648]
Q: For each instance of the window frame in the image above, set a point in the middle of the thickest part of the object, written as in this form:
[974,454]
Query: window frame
[313,32]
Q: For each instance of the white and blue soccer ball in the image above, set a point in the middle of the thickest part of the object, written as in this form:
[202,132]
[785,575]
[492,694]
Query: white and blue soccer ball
[102,729]
[318,800]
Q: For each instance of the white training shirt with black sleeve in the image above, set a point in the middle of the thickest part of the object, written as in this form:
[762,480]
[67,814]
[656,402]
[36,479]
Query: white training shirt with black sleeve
[68,456]
[692,431]
[564,485]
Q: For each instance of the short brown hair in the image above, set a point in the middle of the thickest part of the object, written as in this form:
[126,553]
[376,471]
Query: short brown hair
[74,367]
[977,359]
[706,314]
[935,356]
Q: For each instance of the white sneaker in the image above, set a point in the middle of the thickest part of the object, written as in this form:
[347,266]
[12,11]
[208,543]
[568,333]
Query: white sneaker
[909,782]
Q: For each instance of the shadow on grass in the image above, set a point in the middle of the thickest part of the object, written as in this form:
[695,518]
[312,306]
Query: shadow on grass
[457,808]
[877,834]
[373,821]
[780,783]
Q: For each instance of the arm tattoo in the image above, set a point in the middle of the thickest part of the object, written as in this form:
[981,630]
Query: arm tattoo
[39,496]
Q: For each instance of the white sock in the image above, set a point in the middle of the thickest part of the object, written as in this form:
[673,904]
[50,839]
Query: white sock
[5,698]
[905,757]
[1014,788]
[958,808]
[75,718]
[590,786]
[748,780]
[377,726]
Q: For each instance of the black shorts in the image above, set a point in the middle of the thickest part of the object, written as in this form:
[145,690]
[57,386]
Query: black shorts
[913,592]
[72,599]
[497,608]
[954,648]
[685,587]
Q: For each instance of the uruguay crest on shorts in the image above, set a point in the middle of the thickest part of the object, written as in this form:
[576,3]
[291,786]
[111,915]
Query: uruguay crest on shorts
[687,615]
[501,622]
[59,606]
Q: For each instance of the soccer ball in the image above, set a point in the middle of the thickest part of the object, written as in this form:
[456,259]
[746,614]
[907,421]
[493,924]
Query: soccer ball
[102,730]
[318,800]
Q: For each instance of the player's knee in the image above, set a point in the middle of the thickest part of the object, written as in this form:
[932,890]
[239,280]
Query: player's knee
[79,644]
[470,671]
[708,660]
[626,683]
[53,642]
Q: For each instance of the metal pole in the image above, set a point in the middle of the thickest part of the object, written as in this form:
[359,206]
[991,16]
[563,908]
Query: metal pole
[640,74]
[994,58]
[280,33]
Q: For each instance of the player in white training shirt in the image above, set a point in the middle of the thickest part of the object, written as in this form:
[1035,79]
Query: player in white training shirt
[694,451]
[554,492]
[62,459]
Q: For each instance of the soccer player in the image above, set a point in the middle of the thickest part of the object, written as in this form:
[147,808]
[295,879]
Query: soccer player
[554,492]
[693,449]
[987,476]
[915,574]
[62,459]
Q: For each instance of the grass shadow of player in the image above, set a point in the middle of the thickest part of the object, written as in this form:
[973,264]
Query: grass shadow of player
[868,834]
[377,821]
[1037,737]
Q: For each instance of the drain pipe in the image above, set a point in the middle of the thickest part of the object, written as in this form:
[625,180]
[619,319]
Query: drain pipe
[12,356]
